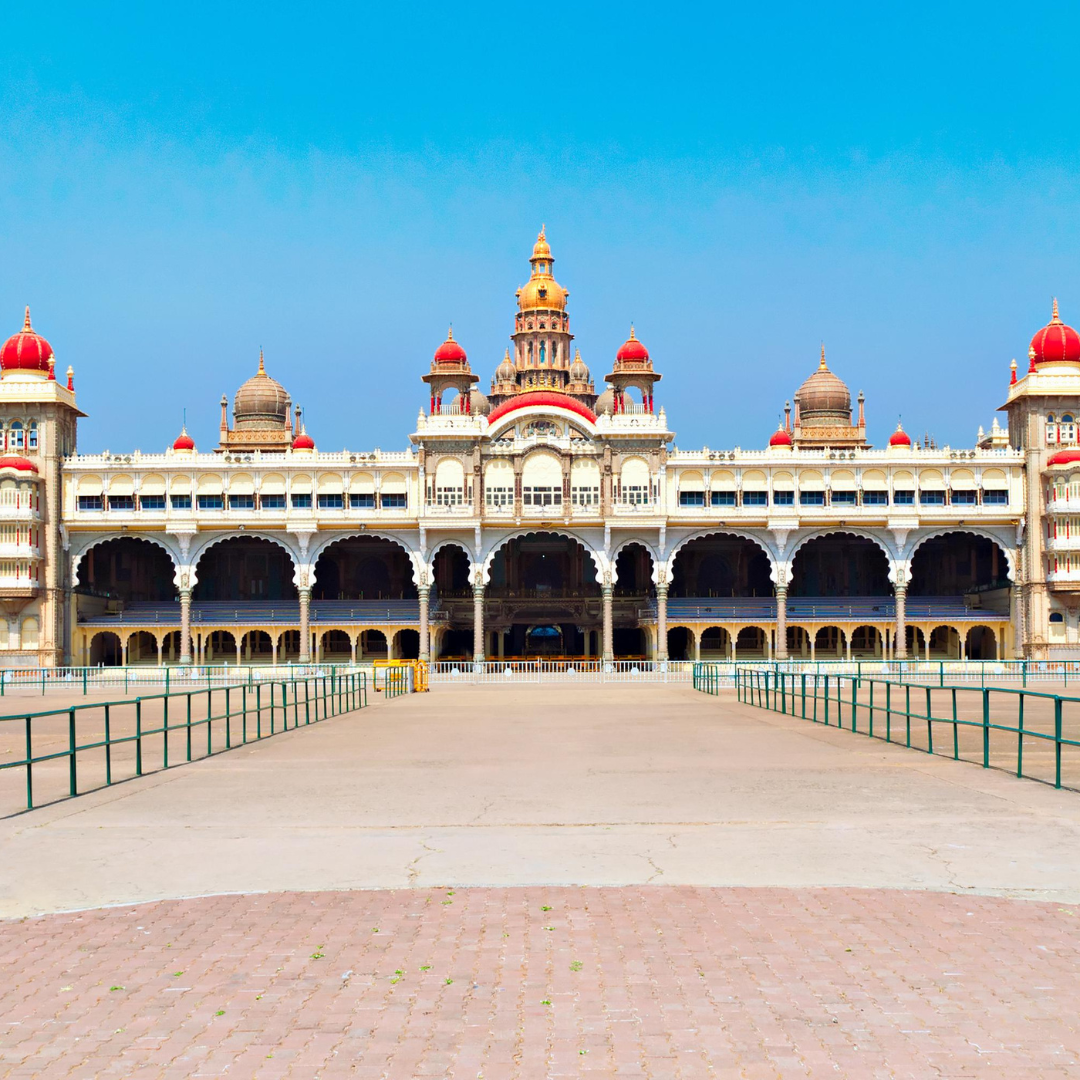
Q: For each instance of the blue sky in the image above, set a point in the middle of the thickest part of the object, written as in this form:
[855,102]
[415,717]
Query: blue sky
[180,185]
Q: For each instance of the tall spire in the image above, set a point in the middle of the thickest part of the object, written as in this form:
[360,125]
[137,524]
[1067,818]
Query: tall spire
[27,328]
[1054,317]
[262,367]
[823,366]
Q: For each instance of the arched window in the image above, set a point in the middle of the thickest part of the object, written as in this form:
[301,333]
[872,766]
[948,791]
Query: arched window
[542,352]
[554,352]
[1056,617]
[15,436]
[31,436]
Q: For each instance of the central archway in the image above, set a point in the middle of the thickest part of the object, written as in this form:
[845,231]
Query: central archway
[364,568]
[242,569]
[840,564]
[721,565]
[542,579]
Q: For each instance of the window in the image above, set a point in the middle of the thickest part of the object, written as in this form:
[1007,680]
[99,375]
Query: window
[449,496]
[541,496]
[499,496]
[635,494]
[875,498]
[364,501]
[31,436]
[152,502]
[15,436]
[722,498]
[691,498]
[904,498]
[996,497]
[241,502]
[121,502]
[757,498]
[180,502]
[301,502]
[965,498]
[210,502]
[845,498]
[1056,617]
[585,496]
[331,502]
[272,502]
[397,501]
[90,502]
[783,498]
[932,498]
[811,498]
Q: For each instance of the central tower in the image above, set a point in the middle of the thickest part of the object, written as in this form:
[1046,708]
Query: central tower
[541,358]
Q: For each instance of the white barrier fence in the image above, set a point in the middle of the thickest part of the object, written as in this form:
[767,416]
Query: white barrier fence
[506,672]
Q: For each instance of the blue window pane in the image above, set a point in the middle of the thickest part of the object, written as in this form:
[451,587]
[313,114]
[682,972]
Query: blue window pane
[210,502]
[301,502]
[723,498]
[691,498]
[362,502]
[783,498]
[272,502]
[755,498]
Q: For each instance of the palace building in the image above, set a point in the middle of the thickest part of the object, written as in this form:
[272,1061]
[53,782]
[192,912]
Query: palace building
[546,513]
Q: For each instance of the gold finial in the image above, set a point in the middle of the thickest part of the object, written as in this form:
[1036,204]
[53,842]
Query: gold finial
[632,337]
[27,328]
[262,367]
[1053,318]
[450,333]
[542,231]
[823,366]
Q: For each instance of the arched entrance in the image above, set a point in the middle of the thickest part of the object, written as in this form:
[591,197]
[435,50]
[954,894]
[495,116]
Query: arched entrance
[545,579]
[127,569]
[364,568]
[721,565]
[840,565]
[958,563]
[244,569]
[142,648]
[680,643]
[106,650]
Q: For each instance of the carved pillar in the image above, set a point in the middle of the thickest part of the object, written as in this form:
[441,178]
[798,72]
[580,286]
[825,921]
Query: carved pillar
[781,622]
[305,624]
[608,651]
[1017,616]
[478,623]
[425,644]
[900,634]
[185,626]
[661,621]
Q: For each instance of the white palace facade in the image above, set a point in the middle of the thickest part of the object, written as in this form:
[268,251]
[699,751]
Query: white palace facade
[549,515]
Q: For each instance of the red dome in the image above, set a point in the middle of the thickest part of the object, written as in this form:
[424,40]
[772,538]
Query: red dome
[542,397]
[184,441]
[632,349]
[450,352]
[26,350]
[1056,342]
[1062,457]
[12,461]
[899,437]
[780,438]
[303,441]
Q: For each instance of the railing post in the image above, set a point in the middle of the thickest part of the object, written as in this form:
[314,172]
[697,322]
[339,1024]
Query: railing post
[165,732]
[1057,741]
[189,725]
[30,764]
[826,699]
[228,719]
[986,727]
[1020,737]
[73,784]
[138,736]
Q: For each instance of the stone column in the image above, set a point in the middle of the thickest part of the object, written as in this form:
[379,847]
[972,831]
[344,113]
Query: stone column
[305,625]
[478,623]
[661,622]
[781,622]
[608,651]
[185,626]
[1016,614]
[900,634]
[425,643]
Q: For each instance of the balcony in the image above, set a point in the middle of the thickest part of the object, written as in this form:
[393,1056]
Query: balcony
[1063,543]
[23,550]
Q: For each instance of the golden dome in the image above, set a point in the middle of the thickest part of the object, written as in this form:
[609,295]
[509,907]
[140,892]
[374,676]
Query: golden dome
[261,402]
[824,397]
[542,292]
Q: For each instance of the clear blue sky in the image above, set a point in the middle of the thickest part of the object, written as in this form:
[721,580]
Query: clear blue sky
[180,184]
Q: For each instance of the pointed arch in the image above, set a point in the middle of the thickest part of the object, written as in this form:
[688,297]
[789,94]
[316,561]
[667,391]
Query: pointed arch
[599,561]
[78,555]
[968,530]
[739,534]
[416,558]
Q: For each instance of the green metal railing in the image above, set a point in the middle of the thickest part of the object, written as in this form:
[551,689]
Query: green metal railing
[170,676]
[117,740]
[1027,732]
[396,681]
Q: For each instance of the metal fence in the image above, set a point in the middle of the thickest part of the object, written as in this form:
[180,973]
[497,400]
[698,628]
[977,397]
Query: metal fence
[507,672]
[1031,733]
[67,752]
[170,677]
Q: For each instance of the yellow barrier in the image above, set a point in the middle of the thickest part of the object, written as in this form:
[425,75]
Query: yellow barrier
[419,673]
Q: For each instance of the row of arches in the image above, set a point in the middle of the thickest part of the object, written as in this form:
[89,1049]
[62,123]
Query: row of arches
[111,648]
[864,642]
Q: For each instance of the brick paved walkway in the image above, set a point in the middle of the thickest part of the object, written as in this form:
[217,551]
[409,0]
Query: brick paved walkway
[539,982]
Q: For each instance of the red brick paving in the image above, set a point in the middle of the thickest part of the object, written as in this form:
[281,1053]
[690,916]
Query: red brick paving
[543,982]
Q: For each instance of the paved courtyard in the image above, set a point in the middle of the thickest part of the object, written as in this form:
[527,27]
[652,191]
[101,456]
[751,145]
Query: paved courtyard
[547,881]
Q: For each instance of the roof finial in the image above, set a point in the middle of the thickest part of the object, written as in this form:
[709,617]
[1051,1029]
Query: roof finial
[1012,373]
[1053,318]
[542,232]
[632,335]
[262,367]
[822,366]
[450,333]
[27,328]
